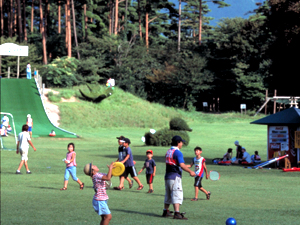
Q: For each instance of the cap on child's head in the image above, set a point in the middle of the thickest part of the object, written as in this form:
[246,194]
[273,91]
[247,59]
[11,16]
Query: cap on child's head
[127,140]
[236,143]
[88,169]
[29,115]
[149,151]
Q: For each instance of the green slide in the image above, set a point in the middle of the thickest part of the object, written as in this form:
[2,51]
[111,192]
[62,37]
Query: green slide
[20,97]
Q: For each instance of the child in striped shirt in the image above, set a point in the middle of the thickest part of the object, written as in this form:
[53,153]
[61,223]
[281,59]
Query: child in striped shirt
[100,198]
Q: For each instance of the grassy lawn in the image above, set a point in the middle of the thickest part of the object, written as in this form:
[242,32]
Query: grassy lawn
[250,196]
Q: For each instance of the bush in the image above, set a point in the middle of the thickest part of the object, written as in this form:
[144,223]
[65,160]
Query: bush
[53,98]
[67,94]
[179,124]
[164,137]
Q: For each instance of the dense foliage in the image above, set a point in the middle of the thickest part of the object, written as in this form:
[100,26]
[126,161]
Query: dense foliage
[143,50]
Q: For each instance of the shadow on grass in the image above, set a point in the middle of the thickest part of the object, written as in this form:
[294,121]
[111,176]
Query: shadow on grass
[137,212]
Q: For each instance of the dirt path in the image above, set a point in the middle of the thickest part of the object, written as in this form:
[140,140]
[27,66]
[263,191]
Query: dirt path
[52,109]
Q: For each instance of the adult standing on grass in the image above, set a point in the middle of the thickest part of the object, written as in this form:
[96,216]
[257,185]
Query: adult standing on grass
[120,158]
[22,146]
[70,162]
[129,166]
[174,166]
[28,71]
[29,122]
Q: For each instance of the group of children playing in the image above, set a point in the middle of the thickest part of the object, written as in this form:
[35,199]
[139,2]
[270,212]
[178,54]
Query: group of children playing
[99,179]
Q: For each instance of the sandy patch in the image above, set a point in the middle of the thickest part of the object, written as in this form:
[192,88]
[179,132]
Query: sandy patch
[52,109]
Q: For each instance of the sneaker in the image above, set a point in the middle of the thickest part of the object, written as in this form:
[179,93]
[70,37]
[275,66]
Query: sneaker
[28,172]
[167,213]
[18,172]
[179,216]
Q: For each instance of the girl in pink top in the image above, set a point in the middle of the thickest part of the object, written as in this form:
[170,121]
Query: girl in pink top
[70,162]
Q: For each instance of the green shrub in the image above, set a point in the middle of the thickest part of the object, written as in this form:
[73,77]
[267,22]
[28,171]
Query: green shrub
[53,98]
[164,137]
[179,124]
[67,94]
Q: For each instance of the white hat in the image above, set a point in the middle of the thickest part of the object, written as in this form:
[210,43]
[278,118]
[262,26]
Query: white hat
[28,115]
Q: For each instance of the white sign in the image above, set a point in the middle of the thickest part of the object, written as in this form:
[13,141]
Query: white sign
[204,104]
[243,106]
[11,49]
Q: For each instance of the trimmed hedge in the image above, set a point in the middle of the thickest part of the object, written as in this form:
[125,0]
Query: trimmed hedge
[179,124]
[164,137]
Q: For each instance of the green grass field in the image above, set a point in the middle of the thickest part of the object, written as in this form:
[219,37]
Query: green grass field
[250,196]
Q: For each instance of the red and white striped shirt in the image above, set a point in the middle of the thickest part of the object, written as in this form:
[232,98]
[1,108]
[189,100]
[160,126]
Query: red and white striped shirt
[99,187]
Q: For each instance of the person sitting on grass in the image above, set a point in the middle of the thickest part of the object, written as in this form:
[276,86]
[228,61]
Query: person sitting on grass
[200,167]
[3,131]
[150,169]
[100,197]
[256,158]
[246,157]
[228,155]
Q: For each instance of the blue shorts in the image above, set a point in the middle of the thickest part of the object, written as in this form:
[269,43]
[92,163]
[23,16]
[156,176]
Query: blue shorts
[101,207]
[71,170]
[29,129]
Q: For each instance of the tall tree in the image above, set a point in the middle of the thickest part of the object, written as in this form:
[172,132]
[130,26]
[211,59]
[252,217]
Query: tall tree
[74,28]
[20,21]
[43,34]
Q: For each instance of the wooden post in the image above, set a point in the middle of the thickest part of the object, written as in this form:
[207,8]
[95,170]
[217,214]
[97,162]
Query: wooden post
[266,107]
[8,72]
[274,108]
[18,70]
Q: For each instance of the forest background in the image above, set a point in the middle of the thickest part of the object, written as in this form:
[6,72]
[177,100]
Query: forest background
[158,51]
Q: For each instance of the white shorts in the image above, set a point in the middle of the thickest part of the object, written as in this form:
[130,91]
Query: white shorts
[24,154]
[174,192]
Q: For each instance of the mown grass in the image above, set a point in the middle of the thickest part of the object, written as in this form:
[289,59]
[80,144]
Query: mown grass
[250,196]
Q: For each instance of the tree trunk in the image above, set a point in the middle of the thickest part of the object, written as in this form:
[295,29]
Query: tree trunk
[1,12]
[74,29]
[147,24]
[24,21]
[200,21]
[9,18]
[20,22]
[59,17]
[15,19]
[109,19]
[116,17]
[179,27]
[66,26]
[46,17]
[69,48]
[140,20]
[85,20]
[43,34]
[32,15]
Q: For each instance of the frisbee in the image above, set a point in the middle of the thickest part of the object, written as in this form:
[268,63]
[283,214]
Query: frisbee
[118,169]
[214,175]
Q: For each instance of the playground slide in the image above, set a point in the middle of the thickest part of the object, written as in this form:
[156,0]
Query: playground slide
[21,97]
[267,162]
